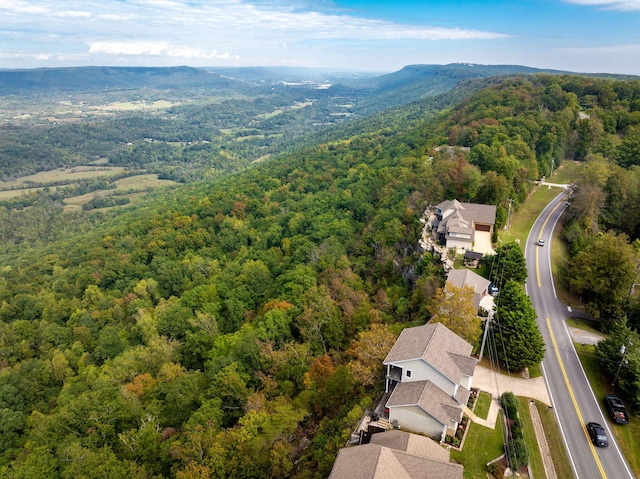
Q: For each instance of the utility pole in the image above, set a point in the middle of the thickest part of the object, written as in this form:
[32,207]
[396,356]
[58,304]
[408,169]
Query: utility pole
[623,351]
[508,214]
[487,325]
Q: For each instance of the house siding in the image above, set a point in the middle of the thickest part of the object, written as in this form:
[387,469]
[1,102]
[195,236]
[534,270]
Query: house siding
[421,371]
[459,243]
[412,418]
[466,381]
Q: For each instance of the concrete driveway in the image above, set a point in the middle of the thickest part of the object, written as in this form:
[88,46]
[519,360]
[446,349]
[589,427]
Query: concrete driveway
[482,242]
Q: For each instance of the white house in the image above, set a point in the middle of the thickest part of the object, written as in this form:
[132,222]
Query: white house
[465,226]
[429,375]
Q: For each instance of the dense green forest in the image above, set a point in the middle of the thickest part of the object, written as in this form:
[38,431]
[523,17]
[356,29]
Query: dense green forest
[225,328]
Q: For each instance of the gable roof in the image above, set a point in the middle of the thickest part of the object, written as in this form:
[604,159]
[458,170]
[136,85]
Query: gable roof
[466,277]
[438,346]
[474,212]
[473,255]
[371,461]
[430,398]
[411,444]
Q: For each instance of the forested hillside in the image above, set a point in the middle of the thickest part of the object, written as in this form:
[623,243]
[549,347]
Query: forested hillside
[235,327]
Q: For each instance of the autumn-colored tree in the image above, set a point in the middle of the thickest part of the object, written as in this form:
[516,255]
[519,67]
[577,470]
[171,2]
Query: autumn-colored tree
[368,351]
[141,384]
[194,471]
[320,371]
[453,306]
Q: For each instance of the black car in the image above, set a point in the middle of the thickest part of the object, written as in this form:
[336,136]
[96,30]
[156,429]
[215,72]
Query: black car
[493,289]
[598,436]
[617,411]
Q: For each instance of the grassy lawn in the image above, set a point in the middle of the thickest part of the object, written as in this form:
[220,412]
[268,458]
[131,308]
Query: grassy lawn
[535,459]
[522,220]
[482,405]
[554,440]
[534,371]
[481,446]
[584,325]
[567,173]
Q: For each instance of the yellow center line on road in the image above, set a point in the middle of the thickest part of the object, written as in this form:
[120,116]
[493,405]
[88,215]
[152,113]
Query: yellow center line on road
[573,399]
[549,245]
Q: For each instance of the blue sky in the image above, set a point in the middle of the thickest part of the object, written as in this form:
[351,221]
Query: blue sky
[368,35]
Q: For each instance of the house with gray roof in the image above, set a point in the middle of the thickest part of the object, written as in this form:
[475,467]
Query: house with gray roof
[411,444]
[395,455]
[464,226]
[429,375]
[465,277]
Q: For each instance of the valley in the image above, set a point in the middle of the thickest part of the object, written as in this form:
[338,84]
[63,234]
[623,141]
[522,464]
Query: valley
[194,265]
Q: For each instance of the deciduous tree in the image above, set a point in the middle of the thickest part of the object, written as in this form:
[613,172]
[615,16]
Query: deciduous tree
[603,273]
[454,307]
[368,351]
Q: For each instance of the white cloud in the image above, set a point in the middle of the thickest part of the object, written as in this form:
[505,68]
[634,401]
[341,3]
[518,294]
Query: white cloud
[279,31]
[17,6]
[74,14]
[137,48]
[223,17]
[128,48]
[622,5]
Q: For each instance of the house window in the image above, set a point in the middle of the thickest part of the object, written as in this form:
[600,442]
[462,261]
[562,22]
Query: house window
[408,373]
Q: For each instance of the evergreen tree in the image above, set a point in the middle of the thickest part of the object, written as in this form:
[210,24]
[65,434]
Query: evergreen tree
[518,339]
[507,264]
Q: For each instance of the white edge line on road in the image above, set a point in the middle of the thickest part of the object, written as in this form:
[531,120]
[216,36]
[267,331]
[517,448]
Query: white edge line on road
[604,420]
[555,412]
[553,228]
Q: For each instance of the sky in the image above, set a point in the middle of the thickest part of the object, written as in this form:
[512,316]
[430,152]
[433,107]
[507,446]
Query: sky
[588,36]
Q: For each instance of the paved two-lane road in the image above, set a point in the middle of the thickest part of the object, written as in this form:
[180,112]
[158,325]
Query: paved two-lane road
[573,400]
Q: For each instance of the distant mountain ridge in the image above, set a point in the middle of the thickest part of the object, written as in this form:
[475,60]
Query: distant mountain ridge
[88,79]
[414,82]
[359,94]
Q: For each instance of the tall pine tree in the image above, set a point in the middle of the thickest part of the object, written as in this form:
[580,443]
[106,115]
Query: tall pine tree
[518,339]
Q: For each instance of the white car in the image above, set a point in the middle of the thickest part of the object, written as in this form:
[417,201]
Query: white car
[540,242]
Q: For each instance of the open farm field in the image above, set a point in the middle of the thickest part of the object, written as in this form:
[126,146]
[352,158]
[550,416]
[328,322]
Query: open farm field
[63,174]
[10,194]
[146,182]
[74,204]
[131,187]
[134,105]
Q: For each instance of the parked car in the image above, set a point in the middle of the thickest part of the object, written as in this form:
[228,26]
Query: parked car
[540,242]
[493,289]
[597,434]
[616,408]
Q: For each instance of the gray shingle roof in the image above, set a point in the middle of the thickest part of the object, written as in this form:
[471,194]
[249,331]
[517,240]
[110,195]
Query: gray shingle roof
[478,213]
[371,461]
[411,444]
[428,397]
[433,343]
[466,277]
